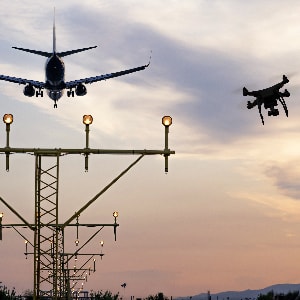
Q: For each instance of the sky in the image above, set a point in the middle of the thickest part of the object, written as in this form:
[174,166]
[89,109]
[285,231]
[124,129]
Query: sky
[227,214]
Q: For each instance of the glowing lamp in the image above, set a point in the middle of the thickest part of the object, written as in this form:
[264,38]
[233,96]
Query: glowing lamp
[167,121]
[8,118]
[87,119]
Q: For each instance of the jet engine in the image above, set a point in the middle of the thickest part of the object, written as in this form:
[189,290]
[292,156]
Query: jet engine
[80,90]
[29,90]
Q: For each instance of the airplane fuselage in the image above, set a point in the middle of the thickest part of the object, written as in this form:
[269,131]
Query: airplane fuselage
[55,77]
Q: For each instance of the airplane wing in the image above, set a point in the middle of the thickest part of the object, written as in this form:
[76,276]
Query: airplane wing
[37,84]
[73,84]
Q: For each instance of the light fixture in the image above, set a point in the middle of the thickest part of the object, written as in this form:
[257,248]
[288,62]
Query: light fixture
[101,243]
[8,118]
[115,214]
[1,216]
[87,119]
[26,248]
[167,121]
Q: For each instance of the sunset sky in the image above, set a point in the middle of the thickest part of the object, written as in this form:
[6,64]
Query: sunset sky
[227,215]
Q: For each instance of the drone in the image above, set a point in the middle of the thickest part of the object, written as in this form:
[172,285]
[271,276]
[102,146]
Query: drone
[269,97]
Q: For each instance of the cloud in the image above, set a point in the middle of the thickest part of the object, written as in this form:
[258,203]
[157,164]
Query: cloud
[285,177]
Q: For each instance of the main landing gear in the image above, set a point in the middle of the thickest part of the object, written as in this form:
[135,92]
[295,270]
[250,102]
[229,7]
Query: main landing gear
[70,93]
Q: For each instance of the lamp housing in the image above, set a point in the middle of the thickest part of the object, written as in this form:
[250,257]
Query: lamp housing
[167,121]
[8,118]
[87,119]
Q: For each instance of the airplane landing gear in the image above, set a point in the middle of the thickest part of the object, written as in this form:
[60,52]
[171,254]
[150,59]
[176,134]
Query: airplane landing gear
[70,93]
[39,93]
[55,105]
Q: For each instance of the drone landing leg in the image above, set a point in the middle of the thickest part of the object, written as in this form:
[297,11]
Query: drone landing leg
[281,100]
[261,116]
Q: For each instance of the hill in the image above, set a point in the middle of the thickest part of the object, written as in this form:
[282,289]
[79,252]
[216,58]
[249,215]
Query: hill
[247,294]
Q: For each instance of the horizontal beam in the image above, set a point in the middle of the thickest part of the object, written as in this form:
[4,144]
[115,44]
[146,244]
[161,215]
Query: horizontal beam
[77,254]
[62,151]
[82,254]
[31,226]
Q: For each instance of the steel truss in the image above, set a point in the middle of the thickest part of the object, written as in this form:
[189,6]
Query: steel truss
[51,271]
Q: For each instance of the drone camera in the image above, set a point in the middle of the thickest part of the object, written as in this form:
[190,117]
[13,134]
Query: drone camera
[274,112]
[250,105]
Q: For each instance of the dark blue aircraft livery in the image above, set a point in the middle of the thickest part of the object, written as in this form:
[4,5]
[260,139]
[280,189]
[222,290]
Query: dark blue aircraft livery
[55,75]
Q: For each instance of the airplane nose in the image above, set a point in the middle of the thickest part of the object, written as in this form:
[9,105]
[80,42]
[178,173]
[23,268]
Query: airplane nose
[55,95]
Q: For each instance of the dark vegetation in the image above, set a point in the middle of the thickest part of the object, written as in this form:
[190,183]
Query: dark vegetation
[272,296]
[107,295]
[6,294]
[159,296]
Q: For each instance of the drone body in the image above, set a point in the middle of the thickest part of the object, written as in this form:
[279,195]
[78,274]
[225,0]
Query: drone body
[269,97]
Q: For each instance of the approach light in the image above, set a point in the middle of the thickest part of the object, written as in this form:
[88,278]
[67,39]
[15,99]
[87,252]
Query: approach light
[115,214]
[101,243]
[8,118]
[167,121]
[87,119]
[1,215]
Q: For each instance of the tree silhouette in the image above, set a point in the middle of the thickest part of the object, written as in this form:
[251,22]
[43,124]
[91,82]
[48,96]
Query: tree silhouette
[5,293]
[158,296]
[107,295]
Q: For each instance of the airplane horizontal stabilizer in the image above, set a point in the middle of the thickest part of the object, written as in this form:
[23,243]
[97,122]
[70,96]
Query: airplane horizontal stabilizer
[42,53]
[65,53]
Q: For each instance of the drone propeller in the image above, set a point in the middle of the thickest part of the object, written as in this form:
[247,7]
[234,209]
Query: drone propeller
[287,74]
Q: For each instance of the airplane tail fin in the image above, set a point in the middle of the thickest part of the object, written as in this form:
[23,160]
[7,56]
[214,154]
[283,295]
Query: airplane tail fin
[54,34]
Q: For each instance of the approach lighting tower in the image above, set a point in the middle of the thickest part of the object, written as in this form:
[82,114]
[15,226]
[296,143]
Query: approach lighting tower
[50,260]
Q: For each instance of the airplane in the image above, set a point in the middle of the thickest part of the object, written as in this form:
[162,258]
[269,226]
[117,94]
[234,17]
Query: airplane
[269,97]
[55,83]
